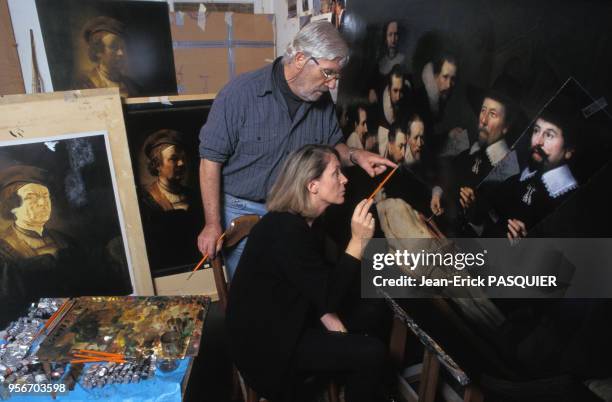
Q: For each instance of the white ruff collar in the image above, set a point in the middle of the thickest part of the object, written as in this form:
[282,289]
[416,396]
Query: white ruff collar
[387,107]
[557,181]
[527,174]
[386,64]
[433,94]
[495,152]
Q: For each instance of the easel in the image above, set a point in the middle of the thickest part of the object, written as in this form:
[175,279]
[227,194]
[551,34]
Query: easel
[30,117]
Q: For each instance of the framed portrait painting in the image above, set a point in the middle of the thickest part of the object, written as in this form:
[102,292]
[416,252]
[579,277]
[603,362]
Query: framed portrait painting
[69,221]
[98,44]
[163,145]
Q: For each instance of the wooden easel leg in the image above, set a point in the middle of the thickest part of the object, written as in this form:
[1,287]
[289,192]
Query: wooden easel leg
[236,384]
[472,394]
[333,392]
[397,343]
[429,377]
[251,395]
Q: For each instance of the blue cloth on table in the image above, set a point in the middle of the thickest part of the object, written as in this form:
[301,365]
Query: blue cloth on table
[163,387]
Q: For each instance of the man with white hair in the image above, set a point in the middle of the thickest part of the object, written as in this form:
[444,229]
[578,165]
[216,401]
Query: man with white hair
[259,118]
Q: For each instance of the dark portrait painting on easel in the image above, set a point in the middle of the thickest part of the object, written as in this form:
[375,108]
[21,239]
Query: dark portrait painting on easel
[61,230]
[99,44]
[163,141]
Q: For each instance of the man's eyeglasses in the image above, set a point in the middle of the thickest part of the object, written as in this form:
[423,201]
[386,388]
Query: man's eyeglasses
[328,74]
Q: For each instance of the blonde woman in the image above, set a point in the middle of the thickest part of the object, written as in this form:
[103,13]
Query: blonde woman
[281,315]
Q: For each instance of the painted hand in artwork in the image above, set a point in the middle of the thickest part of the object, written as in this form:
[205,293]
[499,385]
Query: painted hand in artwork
[516,230]
[332,323]
[467,197]
[436,205]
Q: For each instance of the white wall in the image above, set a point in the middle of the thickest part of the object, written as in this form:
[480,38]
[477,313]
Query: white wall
[285,29]
[24,17]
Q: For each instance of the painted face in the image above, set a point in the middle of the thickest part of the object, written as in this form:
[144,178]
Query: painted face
[338,7]
[326,7]
[331,186]
[396,92]
[113,57]
[371,143]
[35,208]
[416,139]
[397,149]
[445,80]
[491,122]
[548,146]
[311,83]
[172,163]
[361,127]
[392,37]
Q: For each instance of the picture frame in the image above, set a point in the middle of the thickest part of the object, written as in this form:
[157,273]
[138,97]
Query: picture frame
[170,233]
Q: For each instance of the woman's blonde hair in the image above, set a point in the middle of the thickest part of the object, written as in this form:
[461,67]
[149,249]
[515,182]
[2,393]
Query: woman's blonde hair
[290,190]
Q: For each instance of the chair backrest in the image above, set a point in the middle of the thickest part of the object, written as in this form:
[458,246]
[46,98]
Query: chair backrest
[237,230]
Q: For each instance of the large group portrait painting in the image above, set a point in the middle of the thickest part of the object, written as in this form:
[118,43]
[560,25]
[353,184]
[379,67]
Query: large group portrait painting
[497,114]
[499,129]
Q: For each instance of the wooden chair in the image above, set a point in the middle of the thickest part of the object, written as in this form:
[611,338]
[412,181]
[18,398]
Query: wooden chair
[238,229]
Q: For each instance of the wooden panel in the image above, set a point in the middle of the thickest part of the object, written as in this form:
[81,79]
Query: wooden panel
[52,114]
[201,283]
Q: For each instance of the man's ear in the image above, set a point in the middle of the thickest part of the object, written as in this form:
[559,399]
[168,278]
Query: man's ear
[569,153]
[300,60]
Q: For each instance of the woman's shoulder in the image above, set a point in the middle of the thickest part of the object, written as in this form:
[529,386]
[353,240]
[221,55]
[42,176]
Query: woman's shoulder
[283,218]
[282,223]
[278,229]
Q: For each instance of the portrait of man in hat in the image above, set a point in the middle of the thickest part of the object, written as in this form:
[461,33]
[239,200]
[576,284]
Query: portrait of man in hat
[499,118]
[107,50]
[26,201]
[35,260]
[103,44]
[523,200]
[170,209]
[165,152]
[60,236]
[388,56]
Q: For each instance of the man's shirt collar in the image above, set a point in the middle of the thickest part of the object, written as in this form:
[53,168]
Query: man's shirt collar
[557,181]
[266,85]
[495,152]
